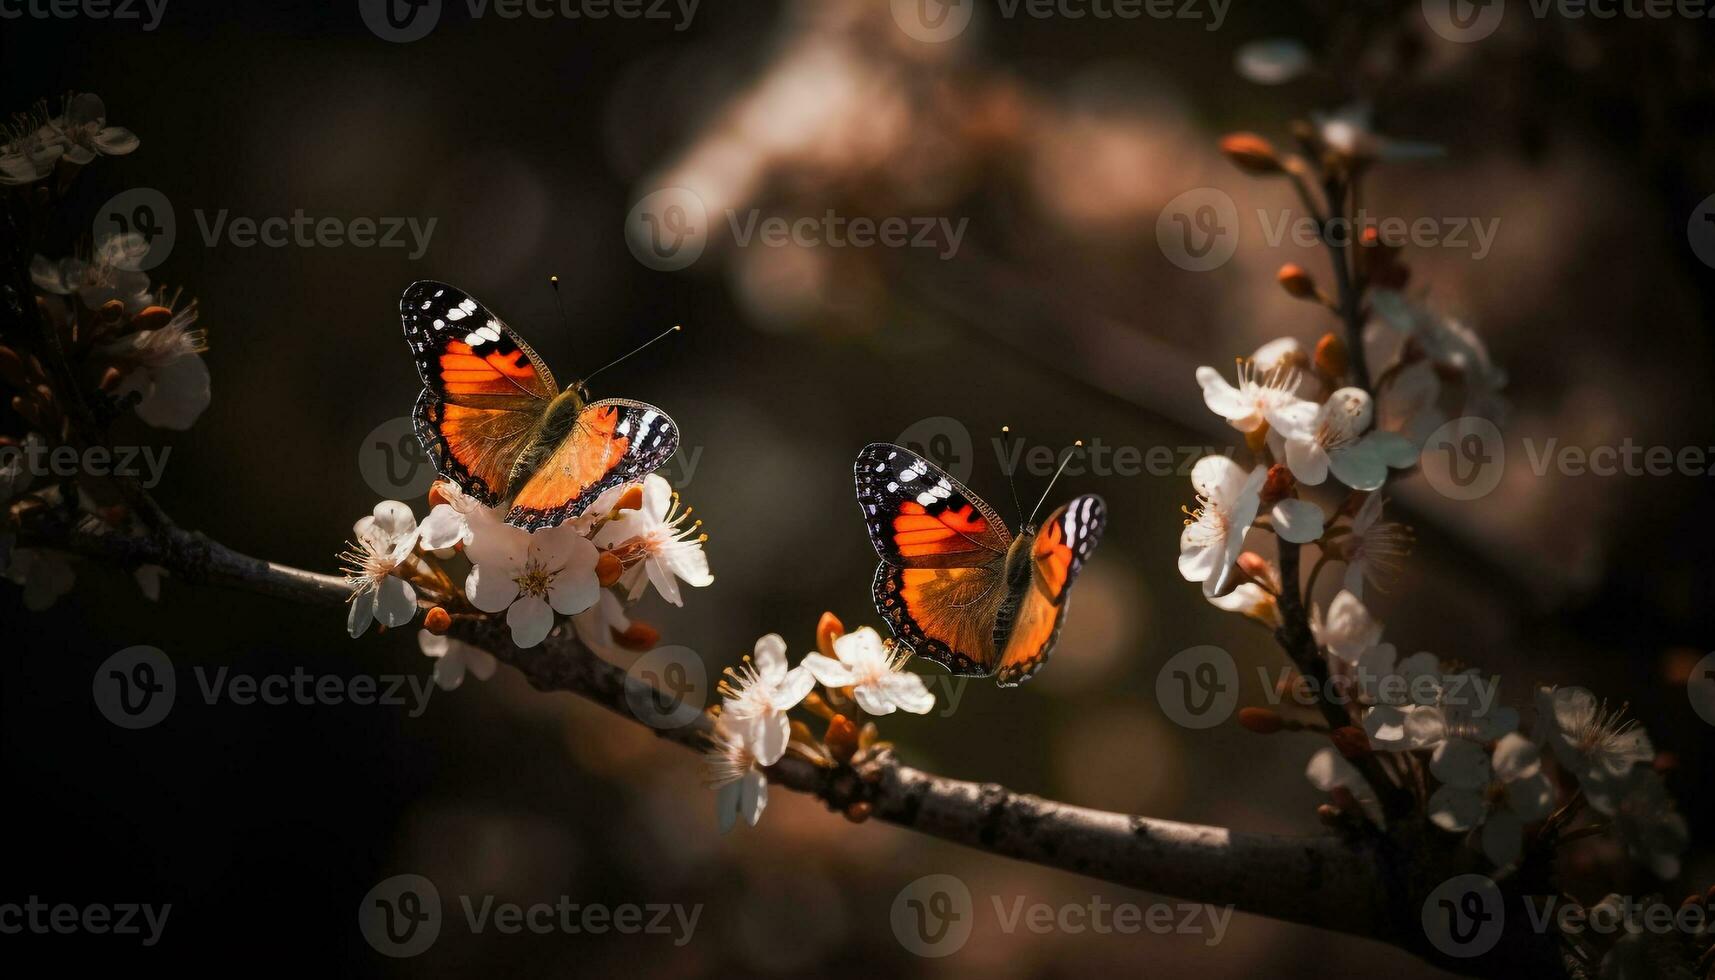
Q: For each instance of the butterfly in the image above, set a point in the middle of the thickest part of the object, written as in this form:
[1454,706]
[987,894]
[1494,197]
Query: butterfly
[493,420]
[953,583]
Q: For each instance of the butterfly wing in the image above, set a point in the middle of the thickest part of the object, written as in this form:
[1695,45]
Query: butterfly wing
[1059,549]
[611,442]
[485,392]
[943,554]
[920,517]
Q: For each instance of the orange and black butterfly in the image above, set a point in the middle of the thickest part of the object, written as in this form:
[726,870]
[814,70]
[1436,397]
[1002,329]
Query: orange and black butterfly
[953,583]
[493,421]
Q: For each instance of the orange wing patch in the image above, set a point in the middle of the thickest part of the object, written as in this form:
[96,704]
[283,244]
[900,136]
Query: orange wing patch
[946,614]
[1053,560]
[586,456]
[613,441]
[954,530]
[1032,638]
[476,447]
[464,372]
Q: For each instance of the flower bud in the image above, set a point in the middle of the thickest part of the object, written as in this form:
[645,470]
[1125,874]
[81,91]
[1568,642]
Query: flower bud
[842,738]
[828,629]
[608,568]
[1330,815]
[631,499]
[1263,721]
[436,497]
[1296,281]
[858,812]
[1351,741]
[1257,568]
[151,318]
[1331,358]
[1251,153]
[437,621]
[638,636]
[110,379]
[1278,486]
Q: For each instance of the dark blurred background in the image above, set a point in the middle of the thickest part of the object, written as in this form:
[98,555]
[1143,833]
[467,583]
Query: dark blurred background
[1060,140]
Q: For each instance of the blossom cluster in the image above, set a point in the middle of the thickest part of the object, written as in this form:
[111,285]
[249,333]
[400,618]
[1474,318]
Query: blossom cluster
[861,675]
[588,568]
[1328,427]
[98,340]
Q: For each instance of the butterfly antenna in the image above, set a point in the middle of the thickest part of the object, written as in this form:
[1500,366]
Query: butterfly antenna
[640,348]
[1011,484]
[554,281]
[1075,447]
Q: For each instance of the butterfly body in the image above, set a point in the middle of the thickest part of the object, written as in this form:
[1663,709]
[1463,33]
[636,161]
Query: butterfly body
[492,419]
[953,583]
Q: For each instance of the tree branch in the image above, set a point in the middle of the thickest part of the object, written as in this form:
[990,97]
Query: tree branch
[1329,882]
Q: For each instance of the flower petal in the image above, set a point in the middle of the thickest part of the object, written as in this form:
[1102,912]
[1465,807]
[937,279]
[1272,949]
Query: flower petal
[1460,763]
[530,619]
[1297,521]
[489,588]
[828,671]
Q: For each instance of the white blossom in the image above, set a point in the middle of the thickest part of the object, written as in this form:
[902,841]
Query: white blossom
[454,658]
[758,694]
[1227,502]
[530,577]
[653,545]
[1336,436]
[741,788]
[84,128]
[384,540]
[1519,793]
[876,676]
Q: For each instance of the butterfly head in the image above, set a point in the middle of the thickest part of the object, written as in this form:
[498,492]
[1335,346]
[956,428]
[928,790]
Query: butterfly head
[579,390]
